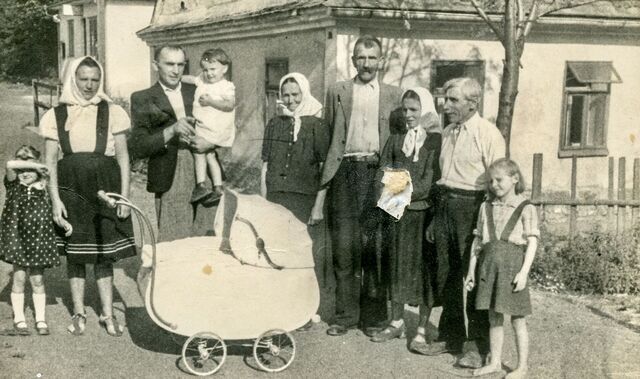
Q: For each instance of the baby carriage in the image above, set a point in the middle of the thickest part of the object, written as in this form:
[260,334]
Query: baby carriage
[253,280]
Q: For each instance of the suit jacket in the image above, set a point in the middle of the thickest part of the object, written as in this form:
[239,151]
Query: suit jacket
[151,113]
[338,113]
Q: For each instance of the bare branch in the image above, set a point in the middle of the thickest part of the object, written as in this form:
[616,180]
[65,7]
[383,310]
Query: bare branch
[520,12]
[484,16]
[531,19]
[559,5]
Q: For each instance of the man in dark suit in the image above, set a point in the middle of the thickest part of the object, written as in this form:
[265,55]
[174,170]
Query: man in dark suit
[358,113]
[163,131]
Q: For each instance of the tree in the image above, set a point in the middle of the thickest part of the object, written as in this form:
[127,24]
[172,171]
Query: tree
[28,39]
[516,18]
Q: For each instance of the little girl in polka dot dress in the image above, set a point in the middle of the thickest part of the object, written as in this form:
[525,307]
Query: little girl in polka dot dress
[27,236]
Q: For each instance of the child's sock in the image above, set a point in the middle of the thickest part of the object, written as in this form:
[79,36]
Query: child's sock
[17,303]
[39,304]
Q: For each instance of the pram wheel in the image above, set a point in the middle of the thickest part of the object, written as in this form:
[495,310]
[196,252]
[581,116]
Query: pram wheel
[204,353]
[274,350]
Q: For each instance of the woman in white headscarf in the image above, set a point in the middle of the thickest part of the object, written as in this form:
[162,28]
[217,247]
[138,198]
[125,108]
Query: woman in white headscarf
[417,151]
[294,149]
[90,131]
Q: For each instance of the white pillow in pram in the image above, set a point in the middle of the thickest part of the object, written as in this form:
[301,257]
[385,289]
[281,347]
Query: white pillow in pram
[243,220]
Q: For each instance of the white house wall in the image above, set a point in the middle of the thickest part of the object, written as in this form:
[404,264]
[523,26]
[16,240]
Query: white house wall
[537,119]
[305,51]
[538,114]
[88,10]
[127,58]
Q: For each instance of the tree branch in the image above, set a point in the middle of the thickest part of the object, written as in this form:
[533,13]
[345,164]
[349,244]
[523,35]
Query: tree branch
[531,19]
[567,5]
[484,16]
[520,12]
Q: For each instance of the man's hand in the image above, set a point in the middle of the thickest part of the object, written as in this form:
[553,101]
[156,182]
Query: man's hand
[201,145]
[429,233]
[185,127]
[469,282]
[316,215]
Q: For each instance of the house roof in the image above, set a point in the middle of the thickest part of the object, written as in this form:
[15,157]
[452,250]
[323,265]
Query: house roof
[79,2]
[177,14]
[600,9]
[170,14]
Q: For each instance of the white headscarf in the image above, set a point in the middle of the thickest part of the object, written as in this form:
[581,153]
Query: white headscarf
[72,96]
[308,106]
[428,122]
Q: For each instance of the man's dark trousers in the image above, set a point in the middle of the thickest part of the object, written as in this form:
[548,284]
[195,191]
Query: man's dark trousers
[455,219]
[357,260]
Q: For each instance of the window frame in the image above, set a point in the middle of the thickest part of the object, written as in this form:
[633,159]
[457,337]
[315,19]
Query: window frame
[91,36]
[272,89]
[438,97]
[564,149]
[71,38]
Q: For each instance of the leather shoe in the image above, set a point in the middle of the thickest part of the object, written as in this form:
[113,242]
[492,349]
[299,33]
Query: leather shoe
[389,333]
[470,359]
[210,200]
[371,331]
[337,330]
[420,347]
[437,348]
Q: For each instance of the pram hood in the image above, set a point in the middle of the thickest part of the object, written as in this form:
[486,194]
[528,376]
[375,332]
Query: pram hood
[243,221]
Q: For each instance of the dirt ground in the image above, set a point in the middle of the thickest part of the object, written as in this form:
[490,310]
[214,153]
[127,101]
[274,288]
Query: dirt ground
[568,338]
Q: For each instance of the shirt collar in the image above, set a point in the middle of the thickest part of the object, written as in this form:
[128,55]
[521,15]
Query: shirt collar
[372,84]
[167,89]
[471,122]
[38,184]
[467,125]
[513,202]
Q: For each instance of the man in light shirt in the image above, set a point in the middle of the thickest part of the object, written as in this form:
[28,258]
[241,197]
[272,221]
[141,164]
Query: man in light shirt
[163,131]
[358,114]
[469,145]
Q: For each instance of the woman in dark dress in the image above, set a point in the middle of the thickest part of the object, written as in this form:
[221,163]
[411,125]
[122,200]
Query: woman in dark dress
[417,151]
[293,151]
[90,130]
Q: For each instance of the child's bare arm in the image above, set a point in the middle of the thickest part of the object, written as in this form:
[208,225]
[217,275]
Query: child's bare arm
[19,164]
[221,103]
[188,79]
[520,281]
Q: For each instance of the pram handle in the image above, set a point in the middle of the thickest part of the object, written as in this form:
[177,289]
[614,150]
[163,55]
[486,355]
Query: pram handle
[112,200]
[259,243]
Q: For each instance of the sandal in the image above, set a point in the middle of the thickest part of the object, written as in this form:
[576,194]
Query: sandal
[21,329]
[79,320]
[42,328]
[111,325]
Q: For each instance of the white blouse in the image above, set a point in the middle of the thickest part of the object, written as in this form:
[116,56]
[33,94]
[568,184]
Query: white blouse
[82,136]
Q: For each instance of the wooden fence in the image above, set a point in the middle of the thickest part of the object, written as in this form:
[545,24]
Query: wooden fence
[38,96]
[615,201]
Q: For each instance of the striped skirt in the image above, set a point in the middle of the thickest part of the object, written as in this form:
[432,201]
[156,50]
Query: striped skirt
[98,234]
